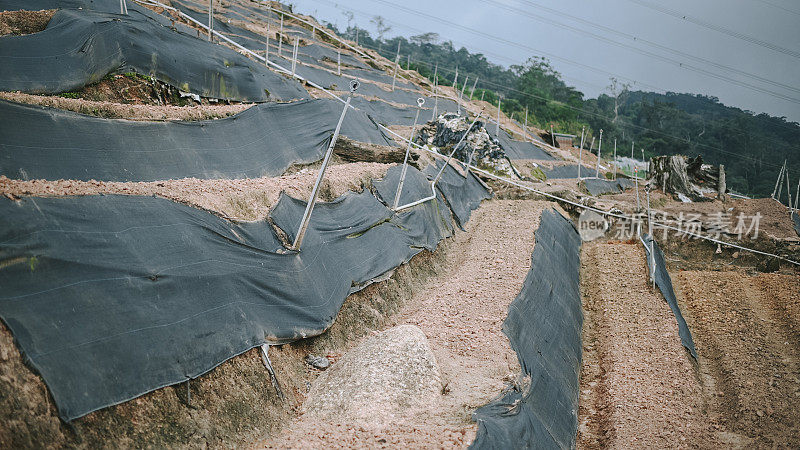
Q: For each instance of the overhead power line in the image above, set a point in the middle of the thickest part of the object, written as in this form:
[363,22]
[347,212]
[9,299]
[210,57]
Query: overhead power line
[717,28]
[644,41]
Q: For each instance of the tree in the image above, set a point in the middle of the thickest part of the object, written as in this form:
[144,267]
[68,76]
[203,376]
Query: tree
[425,38]
[381,27]
[349,16]
[620,94]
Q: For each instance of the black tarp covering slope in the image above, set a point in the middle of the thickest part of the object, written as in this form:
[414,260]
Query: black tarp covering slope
[463,193]
[521,149]
[110,297]
[796,220]
[263,140]
[597,186]
[544,327]
[80,47]
[568,171]
[664,283]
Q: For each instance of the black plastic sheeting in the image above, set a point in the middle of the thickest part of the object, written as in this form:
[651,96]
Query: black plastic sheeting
[597,186]
[544,326]
[664,283]
[463,193]
[263,140]
[80,47]
[570,171]
[521,149]
[796,220]
[110,297]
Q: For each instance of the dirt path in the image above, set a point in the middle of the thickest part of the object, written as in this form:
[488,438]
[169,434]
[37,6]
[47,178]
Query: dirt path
[461,312]
[638,385]
[747,334]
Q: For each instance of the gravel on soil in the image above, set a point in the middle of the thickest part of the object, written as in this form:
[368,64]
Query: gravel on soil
[242,199]
[461,313]
[747,334]
[638,384]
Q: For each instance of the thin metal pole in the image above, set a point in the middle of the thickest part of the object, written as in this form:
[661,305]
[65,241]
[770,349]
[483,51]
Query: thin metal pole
[294,54]
[472,92]
[525,126]
[482,93]
[461,97]
[497,129]
[580,149]
[280,38]
[301,231]
[396,63]
[644,177]
[599,148]
[455,79]
[420,102]
[266,53]
[788,189]
[339,62]
[636,171]
[652,240]
[615,158]
[797,195]
[778,182]
[123,7]
[552,136]
[435,88]
[210,19]
[439,174]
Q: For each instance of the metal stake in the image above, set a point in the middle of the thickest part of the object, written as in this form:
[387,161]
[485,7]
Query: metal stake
[210,19]
[482,93]
[636,172]
[525,127]
[294,53]
[552,136]
[280,38]
[615,158]
[339,62]
[797,195]
[461,98]
[396,63]
[788,189]
[580,149]
[420,102]
[266,54]
[599,148]
[435,86]
[778,182]
[472,92]
[645,170]
[301,231]
[455,80]
[497,130]
[439,174]
[123,7]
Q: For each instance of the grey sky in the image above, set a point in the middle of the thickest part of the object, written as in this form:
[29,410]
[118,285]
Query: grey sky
[773,21]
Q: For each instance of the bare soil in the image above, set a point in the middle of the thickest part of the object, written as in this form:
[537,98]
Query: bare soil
[18,23]
[746,328]
[243,199]
[131,111]
[639,387]
[461,311]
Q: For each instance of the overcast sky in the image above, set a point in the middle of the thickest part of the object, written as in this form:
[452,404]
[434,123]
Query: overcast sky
[510,36]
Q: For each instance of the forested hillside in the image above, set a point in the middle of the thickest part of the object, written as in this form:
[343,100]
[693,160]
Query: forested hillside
[752,147]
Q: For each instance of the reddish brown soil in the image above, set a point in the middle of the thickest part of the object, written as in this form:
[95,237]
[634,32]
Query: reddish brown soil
[244,199]
[747,333]
[639,387]
[461,312]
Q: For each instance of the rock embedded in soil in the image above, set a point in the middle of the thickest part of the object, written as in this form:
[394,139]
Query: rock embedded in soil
[318,362]
[385,376]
